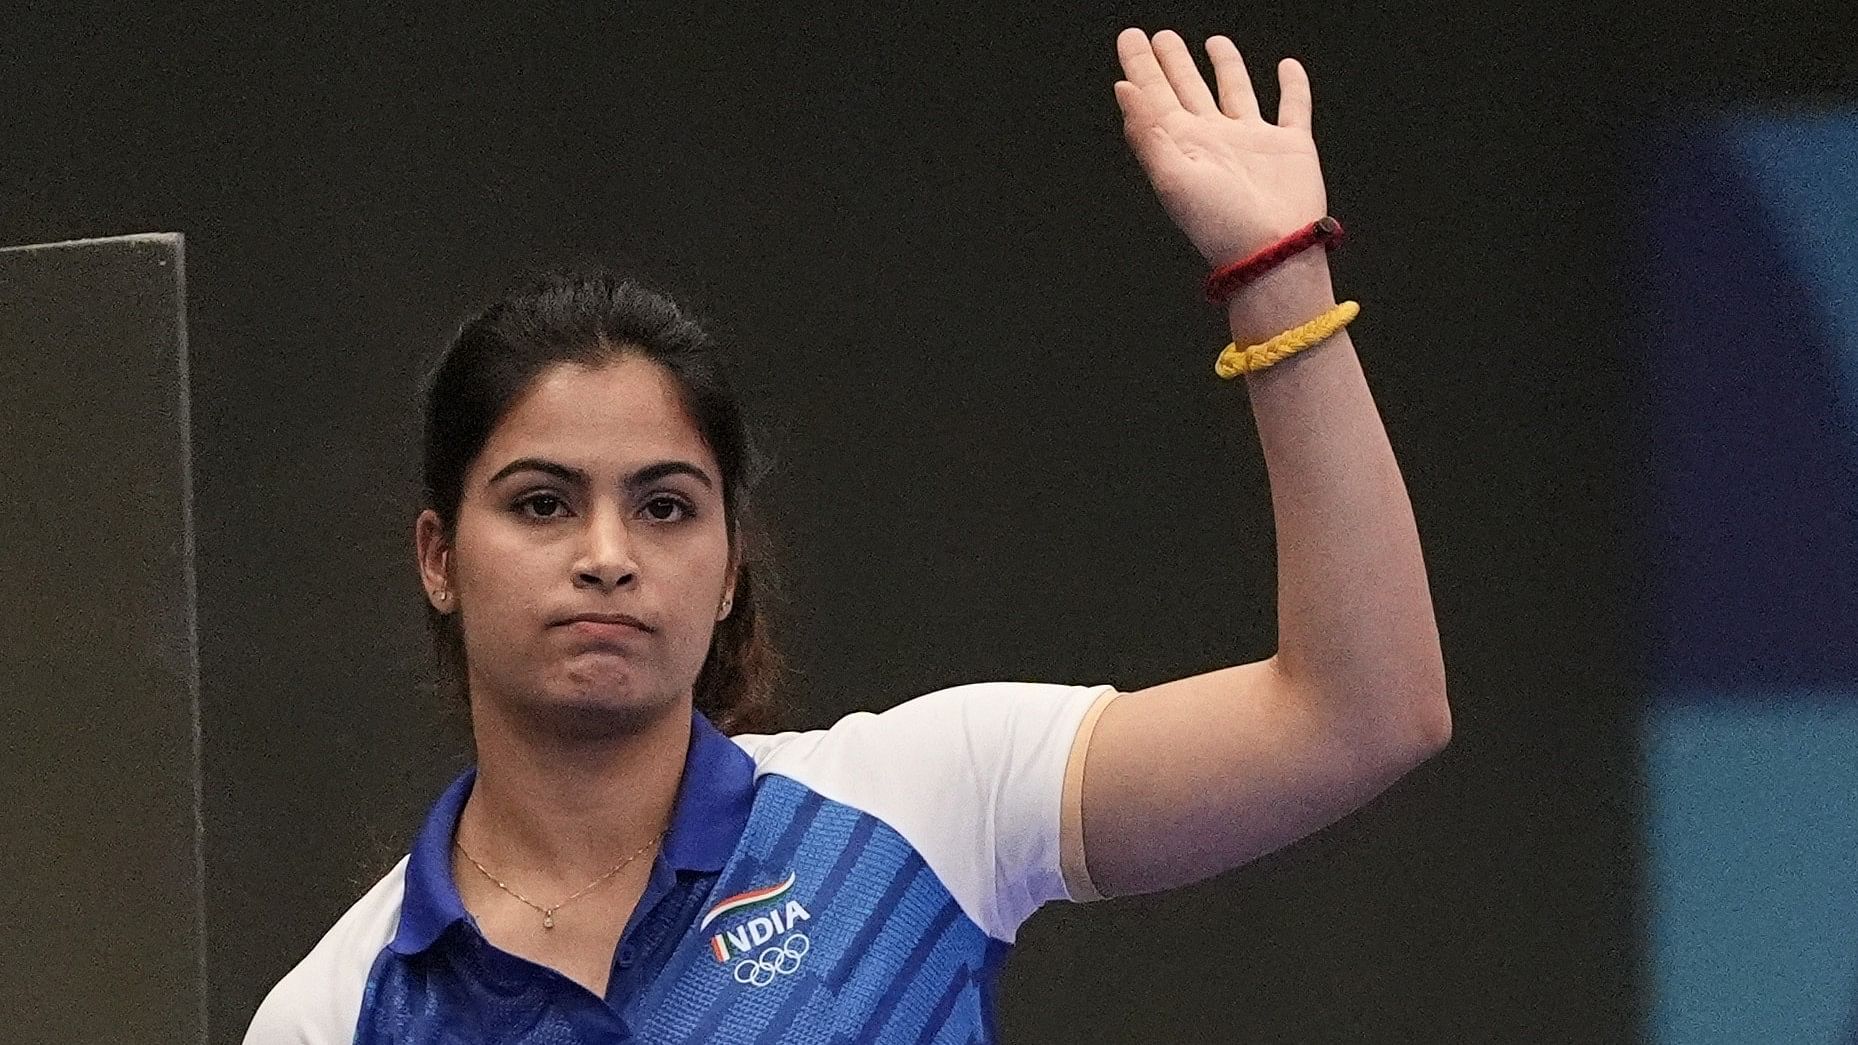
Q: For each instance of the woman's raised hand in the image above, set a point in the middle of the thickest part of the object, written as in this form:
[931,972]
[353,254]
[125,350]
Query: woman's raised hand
[1231,180]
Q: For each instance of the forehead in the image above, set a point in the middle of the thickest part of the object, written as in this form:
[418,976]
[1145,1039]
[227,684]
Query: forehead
[599,418]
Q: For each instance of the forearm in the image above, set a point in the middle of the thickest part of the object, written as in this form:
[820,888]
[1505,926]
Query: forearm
[1355,621]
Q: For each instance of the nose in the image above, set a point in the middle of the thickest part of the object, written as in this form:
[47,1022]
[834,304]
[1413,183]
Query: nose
[606,559]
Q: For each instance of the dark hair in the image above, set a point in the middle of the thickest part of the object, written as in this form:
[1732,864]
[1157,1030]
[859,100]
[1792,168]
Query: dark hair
[593,317]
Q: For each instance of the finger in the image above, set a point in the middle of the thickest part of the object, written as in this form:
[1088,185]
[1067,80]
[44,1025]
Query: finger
[1235,83]
[1178,63]
[1140,68]
[1139,129]
[1128,99]
[1293,96]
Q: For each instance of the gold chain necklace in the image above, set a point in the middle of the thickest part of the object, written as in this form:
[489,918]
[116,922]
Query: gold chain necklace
[548,913]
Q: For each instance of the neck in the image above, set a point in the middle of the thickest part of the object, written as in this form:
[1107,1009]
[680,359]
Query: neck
[551,806]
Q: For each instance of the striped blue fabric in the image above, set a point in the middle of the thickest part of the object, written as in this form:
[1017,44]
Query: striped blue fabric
[865,945]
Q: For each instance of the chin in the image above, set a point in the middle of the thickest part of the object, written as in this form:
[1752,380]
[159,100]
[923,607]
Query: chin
[611,696]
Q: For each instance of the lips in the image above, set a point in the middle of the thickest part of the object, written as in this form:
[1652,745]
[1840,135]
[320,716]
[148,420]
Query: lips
[624,620]
[612,633]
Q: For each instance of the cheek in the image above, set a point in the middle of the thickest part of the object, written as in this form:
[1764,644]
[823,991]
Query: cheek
[699,601]
[506,581]
[688,650]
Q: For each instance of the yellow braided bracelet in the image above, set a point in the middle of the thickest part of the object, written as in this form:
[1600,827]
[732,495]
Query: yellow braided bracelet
[1232,361]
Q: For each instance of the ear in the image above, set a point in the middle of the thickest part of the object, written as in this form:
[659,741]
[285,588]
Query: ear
[729,579]
[434,554]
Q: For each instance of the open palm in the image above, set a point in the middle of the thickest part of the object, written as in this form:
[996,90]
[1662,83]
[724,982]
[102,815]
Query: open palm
[1231,180]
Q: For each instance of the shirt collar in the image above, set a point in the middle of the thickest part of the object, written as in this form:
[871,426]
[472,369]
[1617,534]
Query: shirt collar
[707,820]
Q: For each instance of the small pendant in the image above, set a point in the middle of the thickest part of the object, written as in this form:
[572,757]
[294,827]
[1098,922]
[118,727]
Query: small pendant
[548,921]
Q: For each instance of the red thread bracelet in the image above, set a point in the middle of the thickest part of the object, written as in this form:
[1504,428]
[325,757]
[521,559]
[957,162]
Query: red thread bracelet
[1223,283]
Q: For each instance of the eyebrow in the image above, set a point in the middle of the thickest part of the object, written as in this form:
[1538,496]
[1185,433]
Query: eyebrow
[645,476]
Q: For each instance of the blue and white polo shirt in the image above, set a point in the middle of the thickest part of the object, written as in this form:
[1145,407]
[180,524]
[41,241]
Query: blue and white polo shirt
[860,883]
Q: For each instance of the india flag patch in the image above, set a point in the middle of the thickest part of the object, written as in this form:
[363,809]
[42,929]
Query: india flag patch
[776,918]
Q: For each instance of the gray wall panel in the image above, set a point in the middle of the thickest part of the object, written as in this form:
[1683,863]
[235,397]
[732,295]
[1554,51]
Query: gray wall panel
[101,928]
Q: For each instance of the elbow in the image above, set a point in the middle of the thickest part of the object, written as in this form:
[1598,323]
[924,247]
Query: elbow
[1407,724]
[1420,729]
[1401,741]
[1436,728]
[1426,719]
[1403,745]
[1428,725]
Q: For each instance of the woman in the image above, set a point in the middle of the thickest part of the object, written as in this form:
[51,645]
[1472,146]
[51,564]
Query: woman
[618,867]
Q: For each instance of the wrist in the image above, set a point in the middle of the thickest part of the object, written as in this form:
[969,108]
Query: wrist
[1294,292]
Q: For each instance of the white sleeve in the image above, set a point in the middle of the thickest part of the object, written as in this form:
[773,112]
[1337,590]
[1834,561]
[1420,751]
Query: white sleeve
[972,776]
[319,1001]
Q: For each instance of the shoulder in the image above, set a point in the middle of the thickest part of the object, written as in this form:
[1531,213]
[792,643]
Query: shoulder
[960,726]
[973,777]
[319,1001]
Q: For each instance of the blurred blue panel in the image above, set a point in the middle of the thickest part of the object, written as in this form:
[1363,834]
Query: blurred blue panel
[1806,171]
[1754,456]
[1754,868]
[1751,341]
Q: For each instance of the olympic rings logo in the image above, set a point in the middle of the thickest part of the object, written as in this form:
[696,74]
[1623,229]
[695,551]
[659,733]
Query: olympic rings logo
[775,961]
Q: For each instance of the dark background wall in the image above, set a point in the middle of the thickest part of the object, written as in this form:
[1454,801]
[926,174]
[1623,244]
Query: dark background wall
[1003,454]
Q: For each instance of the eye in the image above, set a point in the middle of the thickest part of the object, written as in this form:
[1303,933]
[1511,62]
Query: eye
[549,506]
[676,502]
[540,499]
